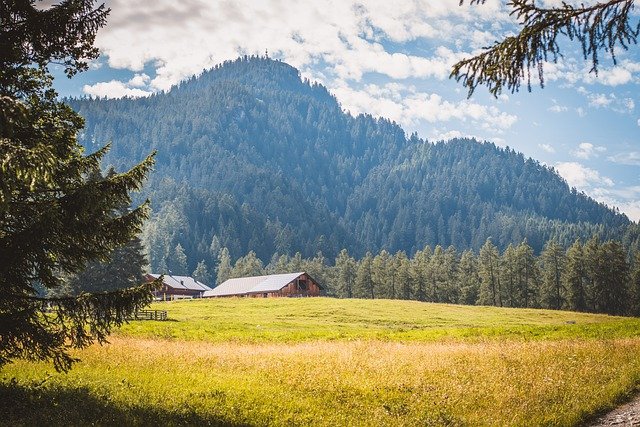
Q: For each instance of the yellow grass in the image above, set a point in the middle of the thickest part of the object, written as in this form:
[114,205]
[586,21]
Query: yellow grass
[327,362]
[348,383]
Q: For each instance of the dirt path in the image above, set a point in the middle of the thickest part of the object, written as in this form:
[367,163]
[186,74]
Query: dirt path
[623,416]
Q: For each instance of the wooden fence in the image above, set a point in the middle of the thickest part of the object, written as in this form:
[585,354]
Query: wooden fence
[150,315]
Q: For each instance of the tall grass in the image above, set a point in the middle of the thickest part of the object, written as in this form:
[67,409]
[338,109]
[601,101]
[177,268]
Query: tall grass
[297,370]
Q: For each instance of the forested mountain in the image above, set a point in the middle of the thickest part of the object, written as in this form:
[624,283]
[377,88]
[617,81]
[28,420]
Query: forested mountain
[251,157]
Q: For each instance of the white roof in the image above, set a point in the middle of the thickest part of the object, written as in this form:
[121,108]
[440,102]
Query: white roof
[182,282]
[255,284]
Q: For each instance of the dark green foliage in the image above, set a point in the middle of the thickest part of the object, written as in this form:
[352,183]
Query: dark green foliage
[595,277]
[607,26]
[552,292]
[124,269]
[55,215]
[252,158]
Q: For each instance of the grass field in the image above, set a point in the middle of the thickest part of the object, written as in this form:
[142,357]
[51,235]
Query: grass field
[330,362]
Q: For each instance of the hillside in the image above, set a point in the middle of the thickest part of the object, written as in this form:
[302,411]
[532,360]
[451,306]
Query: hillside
[251,157]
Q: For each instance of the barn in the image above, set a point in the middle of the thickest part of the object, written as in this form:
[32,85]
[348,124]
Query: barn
[276,285]
[178,287]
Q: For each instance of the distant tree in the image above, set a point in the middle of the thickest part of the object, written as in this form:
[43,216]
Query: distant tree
[489,267]
[634,286]
[178,261]
[125,268]
[528,276]
[420,273]
[345,275]
[607,26]
[575,278]
[248,266]
[201,273]
[403,276]
[468,280]
[224,266]
[54,219]
[552,293]
[611,293]
[382,271]
[363,286]
[510,276]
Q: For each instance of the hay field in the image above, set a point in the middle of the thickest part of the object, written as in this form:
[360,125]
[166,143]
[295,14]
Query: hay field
[337,362]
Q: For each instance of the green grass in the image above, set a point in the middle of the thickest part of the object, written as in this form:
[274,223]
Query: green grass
[292,320]
[330,362]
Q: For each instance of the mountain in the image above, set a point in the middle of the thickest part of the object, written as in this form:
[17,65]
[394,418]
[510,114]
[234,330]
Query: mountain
[252,157]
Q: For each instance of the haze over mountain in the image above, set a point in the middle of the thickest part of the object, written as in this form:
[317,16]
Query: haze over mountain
[251,157]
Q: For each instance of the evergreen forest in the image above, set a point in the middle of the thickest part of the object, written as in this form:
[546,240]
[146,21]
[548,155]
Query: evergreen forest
[251,158]
[591,276]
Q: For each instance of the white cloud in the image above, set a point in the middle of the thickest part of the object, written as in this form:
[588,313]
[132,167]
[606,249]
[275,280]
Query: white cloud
[600,100]
[582,177]
[586,150]
[114,89]
[139,80]
[345,34]
[548,148]
[627,199]
[631,158]
[403,104]
[558,108]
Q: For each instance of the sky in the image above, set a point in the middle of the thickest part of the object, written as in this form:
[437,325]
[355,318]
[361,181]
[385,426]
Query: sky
[393,59]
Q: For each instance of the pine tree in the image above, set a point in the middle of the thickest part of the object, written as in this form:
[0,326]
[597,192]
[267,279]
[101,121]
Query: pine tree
[403,275]
[346,273]
[510,276]
[224,266]
[363,286]
[552,292]
[53,218]
[125,268]
[489,263]
[528,276]
[420,273]
[575,277]
[178,261]
[468,279]
[381,271]
[602,26]
[201,273]
[248,266]
[611,292]
[634,286]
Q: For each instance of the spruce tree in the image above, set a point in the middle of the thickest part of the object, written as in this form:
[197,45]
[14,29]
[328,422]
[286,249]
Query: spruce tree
[468,280]
[53,218]
[489,267]
[552,292]
[634,286]
[224,266]
[607,26]
[363,286]
[575,276]
[201,273]
[345,275]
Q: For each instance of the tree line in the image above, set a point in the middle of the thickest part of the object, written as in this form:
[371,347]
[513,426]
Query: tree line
[592,276]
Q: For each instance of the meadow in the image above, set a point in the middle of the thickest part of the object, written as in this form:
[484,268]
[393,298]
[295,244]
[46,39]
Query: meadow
[322,361]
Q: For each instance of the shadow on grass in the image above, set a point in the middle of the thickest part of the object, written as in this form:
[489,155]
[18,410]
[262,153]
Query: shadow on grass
[26,406]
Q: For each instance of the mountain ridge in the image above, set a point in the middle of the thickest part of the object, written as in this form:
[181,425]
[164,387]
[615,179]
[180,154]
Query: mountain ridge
[252,157]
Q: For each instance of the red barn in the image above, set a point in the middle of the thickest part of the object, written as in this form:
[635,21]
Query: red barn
[276,285]
[178,287]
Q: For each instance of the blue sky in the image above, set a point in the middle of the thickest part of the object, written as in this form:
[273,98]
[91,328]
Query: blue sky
[393,59]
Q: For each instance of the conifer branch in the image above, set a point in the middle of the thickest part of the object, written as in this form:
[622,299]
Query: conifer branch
[507,64]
